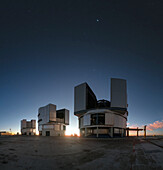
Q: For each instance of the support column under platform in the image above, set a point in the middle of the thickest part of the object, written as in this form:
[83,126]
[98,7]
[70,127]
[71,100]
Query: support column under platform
[97,132]
[122,133]
[111,132]
[85,132]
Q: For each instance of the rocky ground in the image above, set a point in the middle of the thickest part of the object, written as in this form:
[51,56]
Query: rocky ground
[46,153]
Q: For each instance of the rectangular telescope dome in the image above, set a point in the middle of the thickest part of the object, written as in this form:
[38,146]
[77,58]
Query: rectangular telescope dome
[118,93]
[84,98]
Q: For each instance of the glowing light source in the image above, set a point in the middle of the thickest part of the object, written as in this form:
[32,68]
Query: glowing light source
[72,131]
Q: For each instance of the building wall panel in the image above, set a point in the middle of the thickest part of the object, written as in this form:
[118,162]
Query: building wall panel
[23,124]
[119,121]
[86,120]
[118,93]
[66,117]
[80,98]
[109,119]
[52,112]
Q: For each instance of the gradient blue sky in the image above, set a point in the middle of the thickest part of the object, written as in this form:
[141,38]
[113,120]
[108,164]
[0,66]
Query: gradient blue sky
[48,47]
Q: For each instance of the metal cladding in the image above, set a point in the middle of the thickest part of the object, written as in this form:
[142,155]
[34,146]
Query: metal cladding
[52,122]
[28,127]
[33,122]
[118,93]
[101,117]
[47,114]
[63,114]
[84,98]
[23,123]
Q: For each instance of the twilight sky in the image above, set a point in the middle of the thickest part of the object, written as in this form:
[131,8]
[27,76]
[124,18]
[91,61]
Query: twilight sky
[48,47]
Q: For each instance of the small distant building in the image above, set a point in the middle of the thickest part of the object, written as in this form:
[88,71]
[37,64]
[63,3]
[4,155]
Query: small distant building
[52,122]
[102,118]
[28,127]
[5,133]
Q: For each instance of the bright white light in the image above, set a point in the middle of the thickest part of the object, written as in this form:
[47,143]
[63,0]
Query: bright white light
[71,131]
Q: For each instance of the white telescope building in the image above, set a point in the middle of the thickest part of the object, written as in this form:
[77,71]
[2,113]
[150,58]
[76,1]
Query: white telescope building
[52,122]
[28,127]
[101,118]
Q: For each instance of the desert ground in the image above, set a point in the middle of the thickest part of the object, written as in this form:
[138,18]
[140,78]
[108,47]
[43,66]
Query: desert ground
[46,153]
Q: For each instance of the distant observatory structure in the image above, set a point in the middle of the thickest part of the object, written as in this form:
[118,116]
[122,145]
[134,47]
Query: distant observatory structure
[52,122]
[102,118]
[28,127]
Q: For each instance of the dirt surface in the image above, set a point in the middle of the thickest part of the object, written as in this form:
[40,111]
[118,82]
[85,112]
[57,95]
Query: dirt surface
[46,153]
